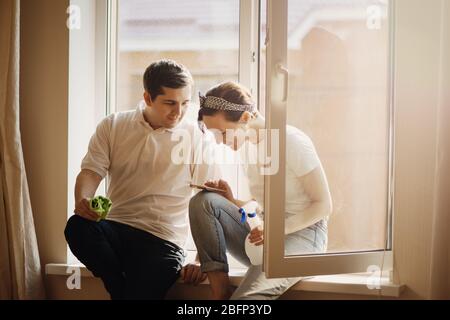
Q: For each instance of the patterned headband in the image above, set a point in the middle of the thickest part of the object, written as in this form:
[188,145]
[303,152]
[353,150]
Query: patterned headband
[216,103]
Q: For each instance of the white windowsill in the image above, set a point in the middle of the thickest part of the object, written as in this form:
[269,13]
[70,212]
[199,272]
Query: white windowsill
[342,284]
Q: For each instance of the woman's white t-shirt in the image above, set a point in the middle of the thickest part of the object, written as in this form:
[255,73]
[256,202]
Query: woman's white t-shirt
[301,159]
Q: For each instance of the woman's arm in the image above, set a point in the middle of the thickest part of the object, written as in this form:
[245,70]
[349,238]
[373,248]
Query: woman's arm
[227,192]
[316,187]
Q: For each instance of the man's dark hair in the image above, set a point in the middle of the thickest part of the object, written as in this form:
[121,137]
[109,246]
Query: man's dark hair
[165,73]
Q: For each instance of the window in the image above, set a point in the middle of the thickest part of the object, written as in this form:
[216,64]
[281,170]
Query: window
[203,35]
[334,84]
[328,73]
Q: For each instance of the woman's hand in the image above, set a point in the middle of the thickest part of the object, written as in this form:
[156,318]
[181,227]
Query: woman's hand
[223,185]
[257,236]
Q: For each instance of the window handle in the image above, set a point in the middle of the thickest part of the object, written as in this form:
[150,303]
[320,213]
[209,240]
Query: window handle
[285,72]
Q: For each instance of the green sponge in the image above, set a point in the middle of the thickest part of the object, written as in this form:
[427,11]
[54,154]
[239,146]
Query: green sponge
[101,205]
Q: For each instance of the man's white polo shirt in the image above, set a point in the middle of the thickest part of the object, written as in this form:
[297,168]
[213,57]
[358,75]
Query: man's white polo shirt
[149,190]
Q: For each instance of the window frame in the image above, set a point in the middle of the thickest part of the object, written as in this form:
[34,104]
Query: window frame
[111,42]
[249,44]
[276,264]
[94,31]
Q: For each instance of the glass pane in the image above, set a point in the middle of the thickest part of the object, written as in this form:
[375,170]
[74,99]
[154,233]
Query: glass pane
[338,115]
[202,34]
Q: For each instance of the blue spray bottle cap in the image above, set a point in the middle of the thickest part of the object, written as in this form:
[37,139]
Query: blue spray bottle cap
[244,215]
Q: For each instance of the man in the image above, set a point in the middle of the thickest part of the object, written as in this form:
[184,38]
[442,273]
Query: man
[137,251]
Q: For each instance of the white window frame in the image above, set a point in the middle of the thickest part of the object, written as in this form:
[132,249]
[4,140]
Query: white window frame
[249,30]
[112,7]
[276,264]
[88,87]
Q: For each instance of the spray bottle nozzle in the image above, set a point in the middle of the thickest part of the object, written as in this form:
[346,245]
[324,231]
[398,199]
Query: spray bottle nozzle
[244,215]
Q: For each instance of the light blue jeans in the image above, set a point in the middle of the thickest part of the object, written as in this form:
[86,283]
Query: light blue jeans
[216,228]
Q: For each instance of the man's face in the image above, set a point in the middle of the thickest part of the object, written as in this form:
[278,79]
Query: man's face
[168,108]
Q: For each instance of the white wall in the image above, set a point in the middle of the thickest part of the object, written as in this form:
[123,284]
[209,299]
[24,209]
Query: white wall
[44,72]
[420,220]
[440,280]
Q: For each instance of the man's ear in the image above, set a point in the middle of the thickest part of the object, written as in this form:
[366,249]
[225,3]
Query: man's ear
[147,98]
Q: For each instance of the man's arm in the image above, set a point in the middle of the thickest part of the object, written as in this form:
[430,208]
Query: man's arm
[85,187]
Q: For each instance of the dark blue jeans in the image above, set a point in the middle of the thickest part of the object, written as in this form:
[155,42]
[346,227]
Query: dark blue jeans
[132,263]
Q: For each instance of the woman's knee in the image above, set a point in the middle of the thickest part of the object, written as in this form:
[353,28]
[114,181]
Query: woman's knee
[203,202]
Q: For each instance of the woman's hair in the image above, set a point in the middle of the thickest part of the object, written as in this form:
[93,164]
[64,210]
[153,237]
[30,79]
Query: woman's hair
[232,92]
[165,73]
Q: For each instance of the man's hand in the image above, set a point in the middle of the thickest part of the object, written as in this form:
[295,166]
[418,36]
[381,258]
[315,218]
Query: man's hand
[192,274]
[257,236]
[222,185]
[85,186]
[83,209]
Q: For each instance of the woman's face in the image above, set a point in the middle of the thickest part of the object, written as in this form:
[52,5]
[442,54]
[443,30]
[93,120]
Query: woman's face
[233,134]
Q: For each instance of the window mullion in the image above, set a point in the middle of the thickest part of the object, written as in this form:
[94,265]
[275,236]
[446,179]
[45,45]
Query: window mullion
[274,185]
[249,44]
[111,55]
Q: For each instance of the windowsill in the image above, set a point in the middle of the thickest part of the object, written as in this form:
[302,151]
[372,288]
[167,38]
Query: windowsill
[341,284]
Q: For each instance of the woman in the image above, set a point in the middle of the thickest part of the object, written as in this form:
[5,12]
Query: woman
[215,218]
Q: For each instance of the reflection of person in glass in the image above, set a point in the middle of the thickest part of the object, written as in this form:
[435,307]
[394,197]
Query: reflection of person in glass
[215,218]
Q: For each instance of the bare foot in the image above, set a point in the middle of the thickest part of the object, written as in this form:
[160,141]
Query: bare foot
[220,285]
[224,294]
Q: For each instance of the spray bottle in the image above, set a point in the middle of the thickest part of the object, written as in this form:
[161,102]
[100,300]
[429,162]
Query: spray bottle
[248,212]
